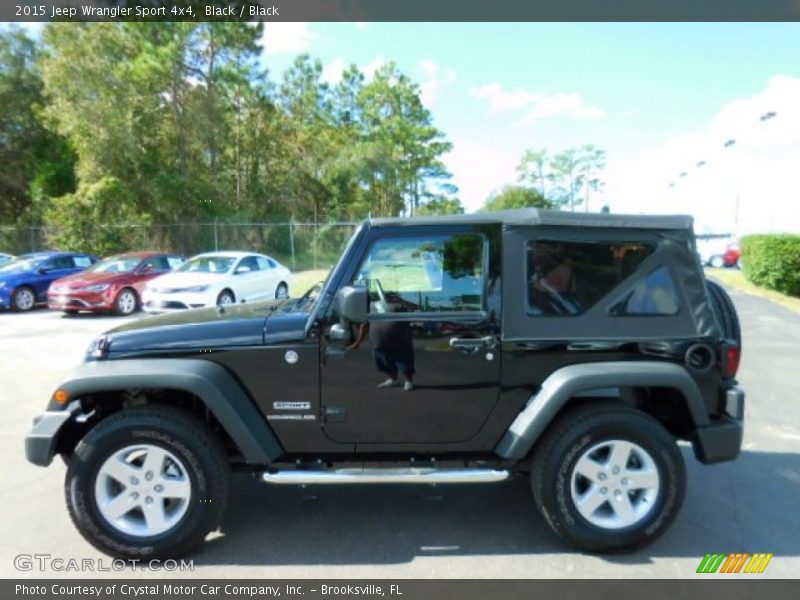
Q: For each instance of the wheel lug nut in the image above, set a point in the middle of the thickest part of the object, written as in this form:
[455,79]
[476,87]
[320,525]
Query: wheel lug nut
[158,488]
[148,475]
[149,500]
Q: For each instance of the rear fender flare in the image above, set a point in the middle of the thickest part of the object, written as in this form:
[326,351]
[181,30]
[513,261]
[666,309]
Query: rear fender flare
[568,382]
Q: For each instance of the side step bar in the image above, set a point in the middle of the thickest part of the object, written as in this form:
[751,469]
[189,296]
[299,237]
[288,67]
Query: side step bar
[405,475]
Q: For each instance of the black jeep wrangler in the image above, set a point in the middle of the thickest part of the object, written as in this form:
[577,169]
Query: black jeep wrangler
[578,348]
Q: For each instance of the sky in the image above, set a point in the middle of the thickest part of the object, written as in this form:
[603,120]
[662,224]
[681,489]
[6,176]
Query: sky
[658,98]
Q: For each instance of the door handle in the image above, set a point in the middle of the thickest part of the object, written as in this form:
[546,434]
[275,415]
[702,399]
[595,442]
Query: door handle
[473,343]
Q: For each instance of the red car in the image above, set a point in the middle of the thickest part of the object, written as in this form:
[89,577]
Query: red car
[731,256]
[114,284]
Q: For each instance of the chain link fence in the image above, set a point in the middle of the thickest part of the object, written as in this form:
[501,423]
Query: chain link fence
[298,245]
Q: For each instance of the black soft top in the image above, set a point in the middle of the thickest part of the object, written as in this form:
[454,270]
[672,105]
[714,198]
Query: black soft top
[535,216]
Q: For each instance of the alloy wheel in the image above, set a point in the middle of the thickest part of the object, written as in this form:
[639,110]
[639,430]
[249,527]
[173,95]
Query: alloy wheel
[143,490]
[615,484]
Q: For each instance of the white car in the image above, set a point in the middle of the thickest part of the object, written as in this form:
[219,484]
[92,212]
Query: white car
[217,278]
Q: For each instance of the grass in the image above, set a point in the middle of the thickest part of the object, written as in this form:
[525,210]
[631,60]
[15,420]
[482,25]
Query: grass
[302,280]
[735,279]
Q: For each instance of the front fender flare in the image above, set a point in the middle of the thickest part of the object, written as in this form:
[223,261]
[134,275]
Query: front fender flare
[569,381]
[216,388]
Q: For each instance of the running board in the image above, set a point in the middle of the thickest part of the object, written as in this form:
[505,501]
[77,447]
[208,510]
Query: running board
[407,475]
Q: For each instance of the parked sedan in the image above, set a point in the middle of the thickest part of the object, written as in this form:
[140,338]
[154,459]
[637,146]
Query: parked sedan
[25,280]
[115,284]
[4,258]
[218,278]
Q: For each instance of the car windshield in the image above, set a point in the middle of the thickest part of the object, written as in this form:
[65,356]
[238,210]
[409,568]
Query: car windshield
[116,264]
[207,264]
[23,264]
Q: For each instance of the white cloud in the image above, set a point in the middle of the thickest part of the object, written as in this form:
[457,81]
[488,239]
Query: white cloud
[759,169]
[332,72]
[286,38]
[435,79]
[372,66]
[538,105]
[479,169]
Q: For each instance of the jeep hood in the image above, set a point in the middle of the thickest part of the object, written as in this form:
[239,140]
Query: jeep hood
[207,329]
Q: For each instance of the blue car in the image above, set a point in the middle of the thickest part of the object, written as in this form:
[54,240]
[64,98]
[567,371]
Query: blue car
[24,281]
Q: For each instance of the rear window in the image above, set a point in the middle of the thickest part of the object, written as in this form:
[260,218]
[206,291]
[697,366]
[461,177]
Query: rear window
[566,278]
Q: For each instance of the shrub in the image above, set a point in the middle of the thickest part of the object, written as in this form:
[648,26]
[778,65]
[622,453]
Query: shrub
[773,261]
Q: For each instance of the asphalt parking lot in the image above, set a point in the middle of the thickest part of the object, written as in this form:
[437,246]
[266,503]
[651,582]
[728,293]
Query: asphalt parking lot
[750,505]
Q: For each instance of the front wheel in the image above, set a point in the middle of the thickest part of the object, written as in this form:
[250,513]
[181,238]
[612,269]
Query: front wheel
[126,302]
[148,482]
[608,477]
[23,299]
[225,298]
[282,292]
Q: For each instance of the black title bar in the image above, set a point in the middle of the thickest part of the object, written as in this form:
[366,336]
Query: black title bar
[402,10]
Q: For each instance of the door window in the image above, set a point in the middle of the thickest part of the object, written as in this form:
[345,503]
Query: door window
[59,263]
[264,264]
[249,264]
[425,274]
[81,262]
[157,264]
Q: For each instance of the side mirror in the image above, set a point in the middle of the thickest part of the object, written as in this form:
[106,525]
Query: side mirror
[353,303]
[340,332]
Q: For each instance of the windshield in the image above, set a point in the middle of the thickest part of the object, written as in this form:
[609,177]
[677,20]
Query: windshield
[207,264]
[116,264]
[21,265]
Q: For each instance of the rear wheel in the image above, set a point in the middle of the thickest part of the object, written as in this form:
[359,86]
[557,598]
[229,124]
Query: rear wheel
[608,477]
[126,302]
[148,482]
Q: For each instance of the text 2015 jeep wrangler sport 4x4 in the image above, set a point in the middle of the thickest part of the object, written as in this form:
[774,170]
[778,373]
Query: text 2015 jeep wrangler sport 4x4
[439,350]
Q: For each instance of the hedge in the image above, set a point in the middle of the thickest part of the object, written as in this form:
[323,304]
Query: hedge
[772,261]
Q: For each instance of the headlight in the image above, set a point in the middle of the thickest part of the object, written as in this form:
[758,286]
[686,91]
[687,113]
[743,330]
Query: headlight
[101,287]
[99,347]
[196,288]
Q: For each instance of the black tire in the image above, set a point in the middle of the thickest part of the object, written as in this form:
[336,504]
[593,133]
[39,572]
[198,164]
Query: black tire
[169,428]
[17,298]
[575,433]
[225,294]
[725,312]
[122,303]
[282,291]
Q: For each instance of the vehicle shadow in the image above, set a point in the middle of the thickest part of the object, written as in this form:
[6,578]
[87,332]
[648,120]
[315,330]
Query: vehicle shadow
[747,505]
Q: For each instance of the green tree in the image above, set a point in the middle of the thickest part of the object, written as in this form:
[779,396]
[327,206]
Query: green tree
[442,205]
[34,163]
[515,196]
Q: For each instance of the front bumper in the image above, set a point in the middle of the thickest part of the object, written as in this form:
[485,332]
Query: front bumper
[721,440]
[40,443]
[78,300]
[156,303]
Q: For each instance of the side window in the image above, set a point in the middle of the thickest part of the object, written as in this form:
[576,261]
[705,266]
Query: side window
[173,262]
[566,278]
[248,265]
[272,263]
[263,263]
[59,263]
[425,274]
[82,262]
[153,265]
[653,295]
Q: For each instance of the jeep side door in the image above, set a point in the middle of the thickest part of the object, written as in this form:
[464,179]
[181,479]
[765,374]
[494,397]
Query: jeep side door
[429,323]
